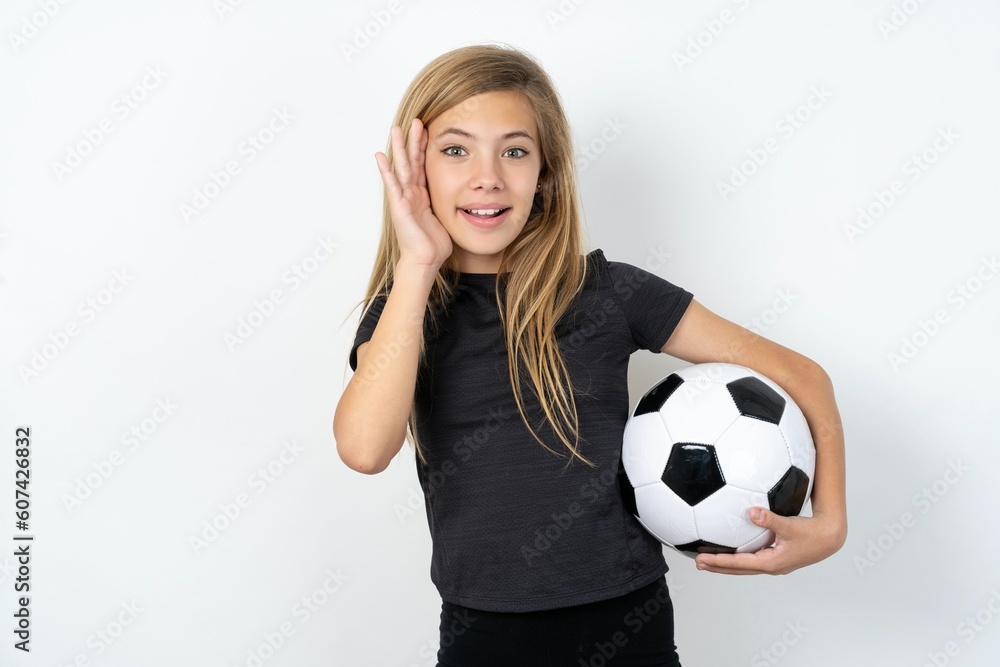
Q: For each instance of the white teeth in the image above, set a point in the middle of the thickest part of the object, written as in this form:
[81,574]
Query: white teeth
[483,211]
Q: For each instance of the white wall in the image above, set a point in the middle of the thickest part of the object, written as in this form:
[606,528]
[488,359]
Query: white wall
[895,76]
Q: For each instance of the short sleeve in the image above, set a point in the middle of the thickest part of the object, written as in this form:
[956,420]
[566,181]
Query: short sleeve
[652,305]
[366,327]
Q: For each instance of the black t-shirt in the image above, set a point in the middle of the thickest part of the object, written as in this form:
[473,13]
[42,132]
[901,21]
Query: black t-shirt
[511,531]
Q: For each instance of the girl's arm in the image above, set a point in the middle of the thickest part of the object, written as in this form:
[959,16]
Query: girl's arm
[702,336]
[369,423]
[372,414]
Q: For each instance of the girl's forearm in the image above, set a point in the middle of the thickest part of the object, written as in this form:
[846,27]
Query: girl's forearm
[812,389]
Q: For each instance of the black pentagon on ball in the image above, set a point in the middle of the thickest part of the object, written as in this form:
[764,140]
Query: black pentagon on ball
[627,491]
[693,472]
[654,399]
[703,547]
[755,399]
[788,496]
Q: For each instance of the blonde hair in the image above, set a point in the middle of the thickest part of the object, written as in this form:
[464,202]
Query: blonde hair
[546,263]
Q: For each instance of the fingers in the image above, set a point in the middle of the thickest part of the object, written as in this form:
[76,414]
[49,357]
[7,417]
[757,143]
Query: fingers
[399,157]
[421,157]
[408,159]
[398,175]
[413,148]
[798,542]
[787,527]
[388,178]
[764,561]
[405,179]
[730,570]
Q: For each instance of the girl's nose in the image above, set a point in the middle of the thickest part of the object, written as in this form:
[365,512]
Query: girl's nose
[485,174]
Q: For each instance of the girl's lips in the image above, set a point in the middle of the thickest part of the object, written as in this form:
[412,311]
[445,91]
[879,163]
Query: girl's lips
[485,223]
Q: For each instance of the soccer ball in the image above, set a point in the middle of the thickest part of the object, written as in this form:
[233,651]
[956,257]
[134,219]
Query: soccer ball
[703,446]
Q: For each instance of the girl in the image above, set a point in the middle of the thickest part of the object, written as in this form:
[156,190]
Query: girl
[494,344]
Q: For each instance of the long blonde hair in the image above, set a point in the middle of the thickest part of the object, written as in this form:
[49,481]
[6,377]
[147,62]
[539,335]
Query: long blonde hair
[546,263]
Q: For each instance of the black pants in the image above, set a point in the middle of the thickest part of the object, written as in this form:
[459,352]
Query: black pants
[634,629]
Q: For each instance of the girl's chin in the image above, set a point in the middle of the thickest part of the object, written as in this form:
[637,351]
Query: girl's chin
[476,254]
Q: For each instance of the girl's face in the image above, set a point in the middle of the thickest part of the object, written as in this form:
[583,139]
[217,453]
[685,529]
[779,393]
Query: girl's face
[483,154]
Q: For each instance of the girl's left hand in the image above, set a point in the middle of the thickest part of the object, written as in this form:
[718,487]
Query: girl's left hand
[799,541]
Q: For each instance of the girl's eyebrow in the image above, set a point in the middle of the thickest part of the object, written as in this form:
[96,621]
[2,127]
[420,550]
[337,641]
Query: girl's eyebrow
[463,133]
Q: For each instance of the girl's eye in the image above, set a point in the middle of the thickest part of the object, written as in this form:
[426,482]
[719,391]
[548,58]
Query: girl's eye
[447,151]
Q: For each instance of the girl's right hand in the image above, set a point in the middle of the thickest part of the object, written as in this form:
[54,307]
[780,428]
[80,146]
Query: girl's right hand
[422,238]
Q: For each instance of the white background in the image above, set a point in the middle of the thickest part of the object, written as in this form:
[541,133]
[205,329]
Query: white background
[896,74]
